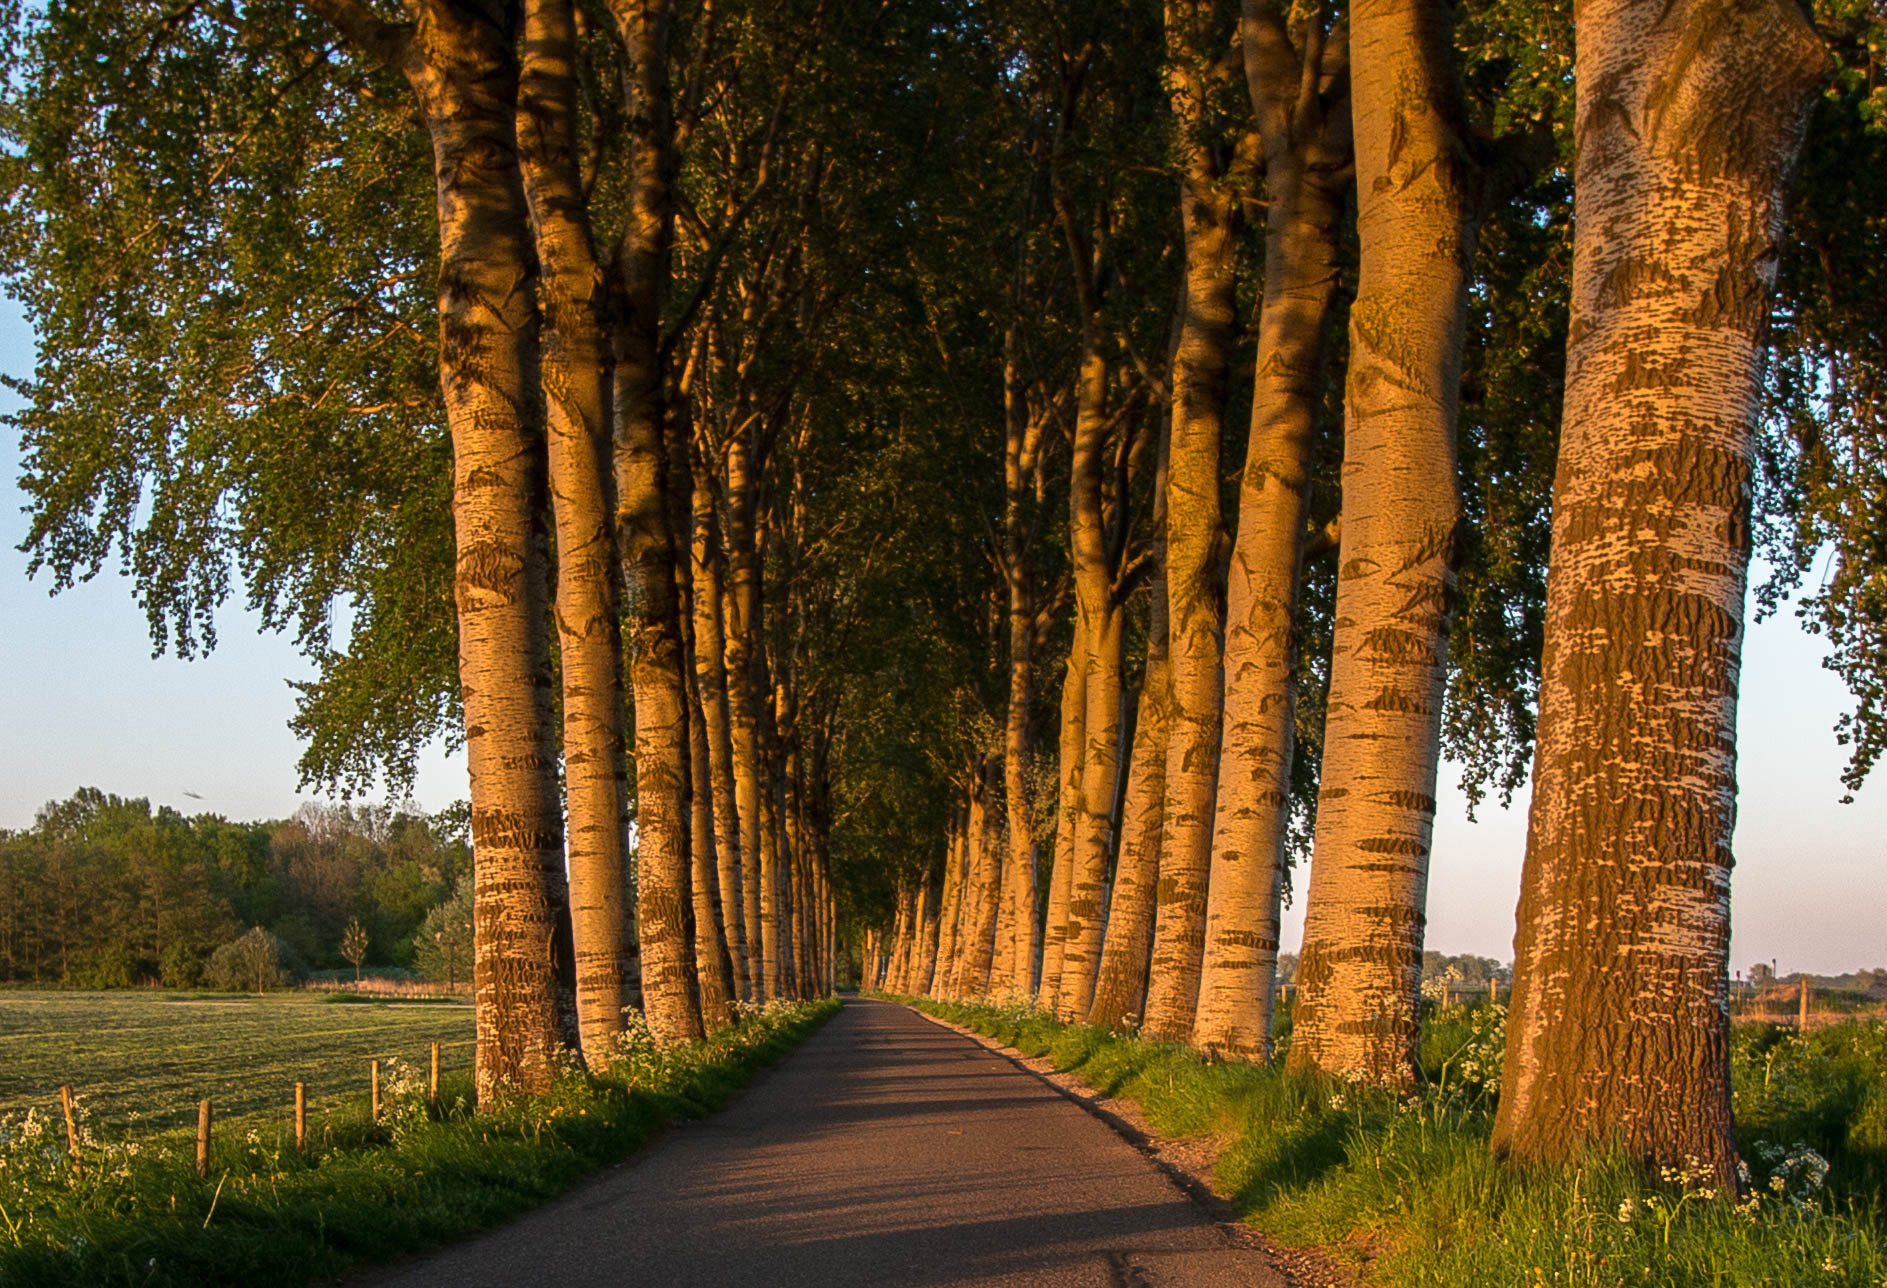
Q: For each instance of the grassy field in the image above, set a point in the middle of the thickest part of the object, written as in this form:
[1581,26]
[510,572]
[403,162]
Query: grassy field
[143,1059]
[139,1216]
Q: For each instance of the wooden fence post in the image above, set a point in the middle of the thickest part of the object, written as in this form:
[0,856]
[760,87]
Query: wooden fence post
[432,1087]
[1493,990]
[301,1116]
[1802,1019]
[203,1138]
[376,1091]
[72,1129]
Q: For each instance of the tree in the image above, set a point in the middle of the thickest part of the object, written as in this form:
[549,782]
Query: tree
[575,374]
[1120,991]
[1690,121]
[354,945]
[1424,184]
[253,963]
[1299,84]
[664,893]
[442,946]
[463,74]
[1212,174]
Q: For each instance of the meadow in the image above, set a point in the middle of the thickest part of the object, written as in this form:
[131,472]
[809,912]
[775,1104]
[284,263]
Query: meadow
[137,1213]
[142,1059]
[1404,1192]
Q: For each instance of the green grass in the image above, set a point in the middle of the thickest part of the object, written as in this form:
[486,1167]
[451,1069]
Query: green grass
[363,1192]
[146,1057]
[1406,1192]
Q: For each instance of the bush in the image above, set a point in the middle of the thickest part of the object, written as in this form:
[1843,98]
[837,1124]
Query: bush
[254,963]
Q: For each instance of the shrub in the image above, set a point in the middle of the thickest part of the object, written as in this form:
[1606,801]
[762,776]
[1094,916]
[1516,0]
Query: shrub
[254,963]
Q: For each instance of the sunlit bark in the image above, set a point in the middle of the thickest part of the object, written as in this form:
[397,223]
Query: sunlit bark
[1690,117]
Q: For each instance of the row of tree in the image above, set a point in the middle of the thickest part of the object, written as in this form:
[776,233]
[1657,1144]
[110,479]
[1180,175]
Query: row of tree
[103,892]
[1448,213]
[596,568]
[990,481]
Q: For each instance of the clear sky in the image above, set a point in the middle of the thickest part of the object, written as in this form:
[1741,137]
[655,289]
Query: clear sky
[83,703]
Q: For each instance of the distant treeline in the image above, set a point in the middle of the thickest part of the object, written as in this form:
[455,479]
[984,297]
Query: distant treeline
[103,892]
[1461,970]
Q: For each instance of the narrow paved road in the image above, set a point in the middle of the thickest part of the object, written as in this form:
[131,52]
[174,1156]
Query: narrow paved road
[885,1151]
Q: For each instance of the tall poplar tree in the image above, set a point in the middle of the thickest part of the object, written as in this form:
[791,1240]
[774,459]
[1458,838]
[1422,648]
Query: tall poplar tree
[575,370]
[1424,183]
[1690,118]
[461,66]
[1298,81]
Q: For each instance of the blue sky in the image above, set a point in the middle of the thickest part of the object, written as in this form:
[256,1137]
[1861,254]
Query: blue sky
[83,703]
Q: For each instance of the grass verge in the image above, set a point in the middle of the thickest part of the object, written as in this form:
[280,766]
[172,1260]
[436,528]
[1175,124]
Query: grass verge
[362,1192]
[1406,1193]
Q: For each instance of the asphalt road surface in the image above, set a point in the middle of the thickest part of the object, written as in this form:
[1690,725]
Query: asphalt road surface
[884,1151]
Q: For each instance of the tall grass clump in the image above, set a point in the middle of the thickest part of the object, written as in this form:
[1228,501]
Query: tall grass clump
[136,1213]
[1404,1190]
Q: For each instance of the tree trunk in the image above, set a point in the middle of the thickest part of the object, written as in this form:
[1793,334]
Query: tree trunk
[949,917]
[1201,356]
[1099,630]
[898,976]
[1307,172]
[1690,118]
[711,681]
[1359,975]
[985,853]
[575,372]
[743,605]
[664,900]
[1120,995]
[927,925]
[714,967]
[1074,710]
[780,857]
[1016,931]
[776,976]
[465,80]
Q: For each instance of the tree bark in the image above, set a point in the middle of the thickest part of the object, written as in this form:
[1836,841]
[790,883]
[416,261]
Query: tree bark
[1690,118]
[460,67]
[711,681]
[776,847]
[927,927]
[1120,994]
[899,974]
[1099,630]
[775,936]
[1201,358]
[743,606]
[1074,711]
[1308,162]
[950,914]
[1359,975]
[1016,932]
[664,900]
[714,966]
[576,376]
[985,840]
